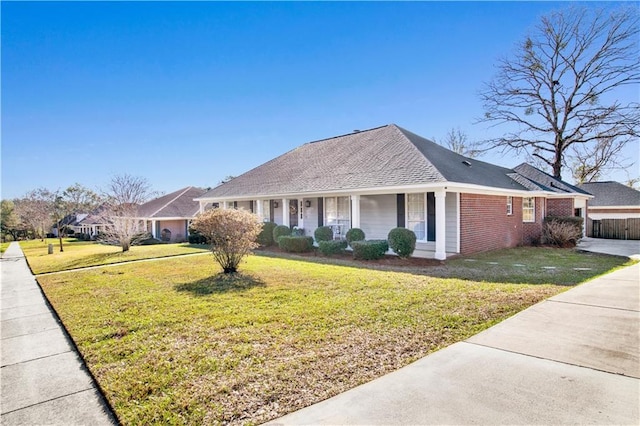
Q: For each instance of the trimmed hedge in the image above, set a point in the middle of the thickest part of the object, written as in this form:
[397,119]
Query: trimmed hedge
[265,238]
[369,249]
[280,231]
[355,234]
[329,248]
[402,241]
[323,233]
[295,244]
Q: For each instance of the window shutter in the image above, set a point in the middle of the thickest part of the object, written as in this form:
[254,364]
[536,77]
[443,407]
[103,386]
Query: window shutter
[271,208]
[320,212]
[431,216]
[400,210]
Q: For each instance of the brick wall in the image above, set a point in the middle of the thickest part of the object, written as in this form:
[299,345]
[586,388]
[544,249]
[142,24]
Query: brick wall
[560,207]
[532,231]
[485,225]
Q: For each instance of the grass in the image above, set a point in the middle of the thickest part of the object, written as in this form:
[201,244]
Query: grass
[178,343]
[80,254]
[3,247]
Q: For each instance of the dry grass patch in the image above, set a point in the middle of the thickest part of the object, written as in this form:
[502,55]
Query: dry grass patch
[175,342]
[80,254]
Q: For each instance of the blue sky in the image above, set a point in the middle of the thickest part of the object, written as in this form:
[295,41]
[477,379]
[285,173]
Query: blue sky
[188,93]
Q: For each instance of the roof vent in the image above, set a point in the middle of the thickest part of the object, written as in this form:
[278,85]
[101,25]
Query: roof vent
[356,131]
[466,163]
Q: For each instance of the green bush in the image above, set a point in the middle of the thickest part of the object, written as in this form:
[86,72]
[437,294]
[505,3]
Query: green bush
[150,242]
[265,238]
[402,241]
[562,231]
[355,234]
[295,244]
[323,233]
[279,231]
[197,238]
[369,250]
[332,247]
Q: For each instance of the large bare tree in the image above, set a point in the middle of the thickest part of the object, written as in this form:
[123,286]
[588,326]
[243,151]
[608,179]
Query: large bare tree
[458,141]
[560,88]
[124,194]
[35,210]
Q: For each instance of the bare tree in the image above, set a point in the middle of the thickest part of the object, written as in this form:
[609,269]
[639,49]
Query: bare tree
[35,210]
[458,141]
[124,194]
[554,90]
[69,203]
[590,161]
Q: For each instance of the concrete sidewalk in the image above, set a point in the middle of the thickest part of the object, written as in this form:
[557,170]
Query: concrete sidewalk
[627,248]
[572,359]
[44,381]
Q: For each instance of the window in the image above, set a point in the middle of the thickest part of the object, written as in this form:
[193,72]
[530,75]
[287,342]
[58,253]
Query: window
[337,214]
[509,206]
[416,215]
[528,209]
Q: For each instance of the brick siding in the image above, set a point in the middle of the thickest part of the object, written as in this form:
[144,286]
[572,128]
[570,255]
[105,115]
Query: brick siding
[485,225]
[560,207]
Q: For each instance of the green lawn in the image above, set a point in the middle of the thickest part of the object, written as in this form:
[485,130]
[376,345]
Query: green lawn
[3,247]
[173,342]
[79,254]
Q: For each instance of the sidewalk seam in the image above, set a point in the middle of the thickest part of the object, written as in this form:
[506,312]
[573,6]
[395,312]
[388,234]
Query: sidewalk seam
[37,359]
[49,400]
[594,306]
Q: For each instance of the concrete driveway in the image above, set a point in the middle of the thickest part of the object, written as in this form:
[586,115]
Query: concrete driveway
[628,248]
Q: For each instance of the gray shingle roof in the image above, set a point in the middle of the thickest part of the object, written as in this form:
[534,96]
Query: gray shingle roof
[177,204]
[545,181]
[386,156]
[611,194]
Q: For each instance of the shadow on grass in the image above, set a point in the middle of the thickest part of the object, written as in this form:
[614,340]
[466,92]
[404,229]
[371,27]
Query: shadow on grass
[221,283]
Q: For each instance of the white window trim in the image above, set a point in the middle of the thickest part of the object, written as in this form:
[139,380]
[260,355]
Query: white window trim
[509,205]
[406,213]
[533,208]
[343,232]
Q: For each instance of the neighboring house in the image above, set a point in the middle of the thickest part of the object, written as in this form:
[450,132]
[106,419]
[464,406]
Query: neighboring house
[70,221]
[91,224]
[614,212]
[386,177]
[168,217]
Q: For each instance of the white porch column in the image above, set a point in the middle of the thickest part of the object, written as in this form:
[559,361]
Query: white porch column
[225,205]
[153,228]
[301,213]
[285,212]
[441,228]
[259,210]
[201,209]
[355,211]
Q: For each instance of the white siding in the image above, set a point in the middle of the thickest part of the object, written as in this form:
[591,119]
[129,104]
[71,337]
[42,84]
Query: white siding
[378,215]
[451,208]
[310,216]
[277,213]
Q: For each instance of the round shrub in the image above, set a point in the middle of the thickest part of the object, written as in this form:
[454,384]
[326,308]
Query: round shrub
[265,238]
[280,231]
[295,244]
[355,234]
[402,241]
[329,248]
[323,233]
[369,250]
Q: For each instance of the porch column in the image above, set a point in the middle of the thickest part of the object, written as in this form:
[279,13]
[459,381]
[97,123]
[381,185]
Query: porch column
[355,211]
[225,205]
[259,211]
[285,212]
[201,209]
[301,213]
[441,253]
[153,228]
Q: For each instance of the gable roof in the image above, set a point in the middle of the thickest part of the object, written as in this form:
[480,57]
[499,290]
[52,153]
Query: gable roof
[176,204]
[611,194]
[386,156]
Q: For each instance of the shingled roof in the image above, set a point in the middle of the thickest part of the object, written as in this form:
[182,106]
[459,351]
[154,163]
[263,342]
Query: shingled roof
[611,194]
[545,181]
[177,204]
[387,156]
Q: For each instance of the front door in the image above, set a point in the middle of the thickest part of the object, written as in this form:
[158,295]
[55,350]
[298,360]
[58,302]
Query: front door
[293,213]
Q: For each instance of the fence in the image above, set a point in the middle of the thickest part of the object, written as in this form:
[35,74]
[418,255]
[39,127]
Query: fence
[617,229]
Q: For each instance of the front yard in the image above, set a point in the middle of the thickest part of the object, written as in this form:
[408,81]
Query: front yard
[174,342]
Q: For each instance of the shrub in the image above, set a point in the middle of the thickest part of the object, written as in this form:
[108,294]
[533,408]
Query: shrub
[323,233]
[280,231]
[562,231]
[297,232]
[265,238]
[402,241]
[196,238]
[329,248]
[232,234]
[150,242]
[369,250]
[295,244]
[355,234]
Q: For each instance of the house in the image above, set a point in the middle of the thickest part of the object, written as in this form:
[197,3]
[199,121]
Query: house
[91,224]
[386,177]
[614,212]
[168,217]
